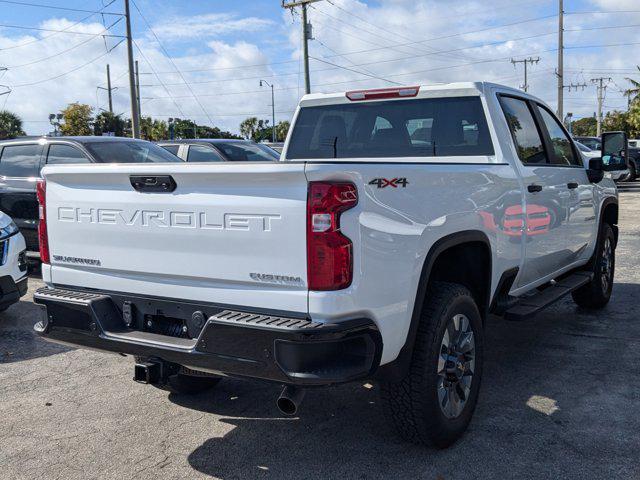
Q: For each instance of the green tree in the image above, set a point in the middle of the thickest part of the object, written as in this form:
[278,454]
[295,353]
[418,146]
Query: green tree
[205,131]
[282,128]
[249,127]
[153,130]
[633,119]
[584,127]
[10,125]
[108,122]
[616,121]
[634,90]
[77,120]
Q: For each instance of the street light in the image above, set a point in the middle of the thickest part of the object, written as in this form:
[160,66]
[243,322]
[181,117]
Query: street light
[273,110]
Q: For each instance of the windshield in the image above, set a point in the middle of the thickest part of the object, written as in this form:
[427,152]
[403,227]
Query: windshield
[437,127]
[246,152]
[129,152]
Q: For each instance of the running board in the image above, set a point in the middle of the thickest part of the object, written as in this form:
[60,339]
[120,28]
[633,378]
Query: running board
[531,305]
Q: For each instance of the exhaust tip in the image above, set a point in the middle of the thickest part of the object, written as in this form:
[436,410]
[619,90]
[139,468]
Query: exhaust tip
[289,400]
[286,406]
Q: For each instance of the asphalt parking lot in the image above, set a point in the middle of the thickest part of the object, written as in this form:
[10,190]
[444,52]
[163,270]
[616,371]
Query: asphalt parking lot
[559,399]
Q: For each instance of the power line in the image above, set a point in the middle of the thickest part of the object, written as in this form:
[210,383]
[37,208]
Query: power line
[604,12]
[64,30]
[172,62]
[363,29]
[41,5]
[66,50]
[73,32]
[163,85]
[444,37]
[69,71]
[355,71]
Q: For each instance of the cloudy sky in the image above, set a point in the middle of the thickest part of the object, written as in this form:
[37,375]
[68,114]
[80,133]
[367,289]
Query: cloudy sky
[203,59]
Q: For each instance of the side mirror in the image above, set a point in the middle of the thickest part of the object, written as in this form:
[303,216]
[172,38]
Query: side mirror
[615,151]
[595,172]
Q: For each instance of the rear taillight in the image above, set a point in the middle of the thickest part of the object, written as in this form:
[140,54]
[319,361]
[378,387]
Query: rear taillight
[329,252]
[43,239]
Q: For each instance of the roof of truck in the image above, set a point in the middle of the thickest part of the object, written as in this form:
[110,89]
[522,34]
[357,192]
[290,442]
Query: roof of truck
[425,91]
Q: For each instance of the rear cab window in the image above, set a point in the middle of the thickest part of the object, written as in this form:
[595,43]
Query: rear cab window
[20,160]
[429,127]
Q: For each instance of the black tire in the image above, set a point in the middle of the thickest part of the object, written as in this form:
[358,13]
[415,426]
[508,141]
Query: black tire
[413,404]
[597,292]
[633,172]
[188,384]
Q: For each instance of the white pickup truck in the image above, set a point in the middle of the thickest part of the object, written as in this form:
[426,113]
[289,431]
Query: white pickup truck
[395,222]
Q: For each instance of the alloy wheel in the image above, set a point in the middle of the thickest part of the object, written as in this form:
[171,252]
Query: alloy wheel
[606,265]
[456,364]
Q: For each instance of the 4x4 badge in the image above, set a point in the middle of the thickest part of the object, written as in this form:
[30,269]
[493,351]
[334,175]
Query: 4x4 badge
[385,182]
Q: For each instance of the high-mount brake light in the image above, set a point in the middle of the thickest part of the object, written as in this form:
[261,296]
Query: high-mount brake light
[329,252]
[381,93]
[43,238]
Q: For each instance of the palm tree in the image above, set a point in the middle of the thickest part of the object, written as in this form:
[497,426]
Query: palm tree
[10,125]
[634,91]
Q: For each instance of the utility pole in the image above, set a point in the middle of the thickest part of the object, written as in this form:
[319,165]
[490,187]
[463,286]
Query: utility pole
[306,36]
[273,110]
[138,91]
[109,89]
[525,61]
[601,86]
[560,70]
[135,119]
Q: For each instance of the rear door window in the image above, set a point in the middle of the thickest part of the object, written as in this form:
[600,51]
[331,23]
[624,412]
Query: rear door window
[202,153]
[524,130]
[563,153]
[20,160]
[438,127]
[60,154]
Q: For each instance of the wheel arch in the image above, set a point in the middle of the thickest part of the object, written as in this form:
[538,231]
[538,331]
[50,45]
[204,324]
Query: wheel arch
[609,214]
[443,263]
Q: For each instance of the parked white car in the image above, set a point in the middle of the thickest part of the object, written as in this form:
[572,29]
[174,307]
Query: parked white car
[395,222]
[13,263]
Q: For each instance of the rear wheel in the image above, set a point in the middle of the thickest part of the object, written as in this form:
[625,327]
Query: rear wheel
[597,292]
[433,404]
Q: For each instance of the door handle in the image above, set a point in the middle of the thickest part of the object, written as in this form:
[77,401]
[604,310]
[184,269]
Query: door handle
[534,188]
[572,185]
[153,183]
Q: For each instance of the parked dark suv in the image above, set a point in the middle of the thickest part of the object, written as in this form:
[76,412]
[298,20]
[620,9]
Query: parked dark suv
[22,159]
[220,150]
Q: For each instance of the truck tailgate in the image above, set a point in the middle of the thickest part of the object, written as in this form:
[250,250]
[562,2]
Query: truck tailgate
[230,233]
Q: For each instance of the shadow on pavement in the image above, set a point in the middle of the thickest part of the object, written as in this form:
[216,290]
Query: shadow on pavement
[528,410]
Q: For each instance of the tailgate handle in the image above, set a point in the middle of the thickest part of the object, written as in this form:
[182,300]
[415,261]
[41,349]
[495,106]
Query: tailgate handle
[153,183]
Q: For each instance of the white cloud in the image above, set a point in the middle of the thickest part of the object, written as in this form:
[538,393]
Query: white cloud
[225,74]
[207,26]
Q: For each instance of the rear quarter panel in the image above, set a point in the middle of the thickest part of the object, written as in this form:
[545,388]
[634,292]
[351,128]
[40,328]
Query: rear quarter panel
[393,229]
